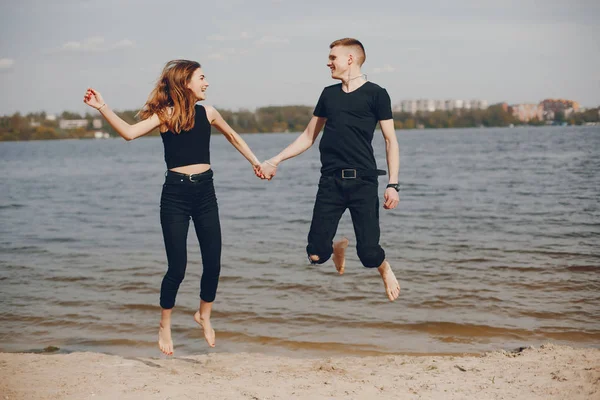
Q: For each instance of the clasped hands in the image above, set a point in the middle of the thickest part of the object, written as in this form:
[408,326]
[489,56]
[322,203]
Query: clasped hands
[265,170]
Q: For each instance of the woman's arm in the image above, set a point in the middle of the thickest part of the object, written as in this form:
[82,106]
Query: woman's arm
[232,136]
[128,132]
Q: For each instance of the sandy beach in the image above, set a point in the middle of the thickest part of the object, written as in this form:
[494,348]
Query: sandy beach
[547,372]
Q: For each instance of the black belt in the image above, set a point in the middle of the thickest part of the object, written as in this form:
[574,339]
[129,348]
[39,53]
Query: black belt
[353,173]
[178,177]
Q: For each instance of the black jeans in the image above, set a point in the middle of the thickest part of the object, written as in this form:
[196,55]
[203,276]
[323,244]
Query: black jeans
[184,197]
[334,196]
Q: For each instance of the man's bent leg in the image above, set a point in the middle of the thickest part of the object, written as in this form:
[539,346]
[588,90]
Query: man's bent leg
[328,209]
[364,209]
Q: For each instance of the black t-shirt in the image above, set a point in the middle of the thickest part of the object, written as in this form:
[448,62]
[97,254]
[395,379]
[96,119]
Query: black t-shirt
[351,121]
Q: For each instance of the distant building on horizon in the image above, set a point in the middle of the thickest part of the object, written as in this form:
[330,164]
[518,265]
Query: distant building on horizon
[79,123]
[73,123]
[428,105]
[552,106]
[545,110]
[527,112]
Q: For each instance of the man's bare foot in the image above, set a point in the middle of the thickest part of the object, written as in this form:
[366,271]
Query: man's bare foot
[209,332]
[392,287]
[339,255]
[165,343]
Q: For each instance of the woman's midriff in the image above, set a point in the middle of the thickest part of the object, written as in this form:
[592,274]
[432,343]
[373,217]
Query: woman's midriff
[191,169]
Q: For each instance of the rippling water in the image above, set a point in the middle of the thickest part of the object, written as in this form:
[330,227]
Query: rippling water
[496,243]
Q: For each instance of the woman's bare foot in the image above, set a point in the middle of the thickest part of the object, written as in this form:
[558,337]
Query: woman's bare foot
[392,287]
[339,255]
[209,332]
[165,343]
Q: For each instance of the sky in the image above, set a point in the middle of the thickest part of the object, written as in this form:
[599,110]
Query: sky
[274,52]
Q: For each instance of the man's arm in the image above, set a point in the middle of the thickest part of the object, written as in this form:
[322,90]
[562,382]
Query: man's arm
[392,153]
[298,146]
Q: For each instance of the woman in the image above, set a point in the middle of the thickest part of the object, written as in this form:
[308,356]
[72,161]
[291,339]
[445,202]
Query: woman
[188,191]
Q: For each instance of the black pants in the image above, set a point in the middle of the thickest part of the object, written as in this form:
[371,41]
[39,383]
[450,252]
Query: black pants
[334,196]
[184,197]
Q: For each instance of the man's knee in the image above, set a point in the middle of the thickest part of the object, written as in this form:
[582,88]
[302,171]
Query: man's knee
[371,256]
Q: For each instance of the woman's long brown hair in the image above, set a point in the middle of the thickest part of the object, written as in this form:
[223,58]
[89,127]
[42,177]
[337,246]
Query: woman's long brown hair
[171,91]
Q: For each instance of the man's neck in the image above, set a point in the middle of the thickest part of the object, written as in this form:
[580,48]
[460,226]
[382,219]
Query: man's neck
[353,81]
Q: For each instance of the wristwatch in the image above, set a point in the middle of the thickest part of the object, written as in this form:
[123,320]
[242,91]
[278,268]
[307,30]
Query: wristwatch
[394,185]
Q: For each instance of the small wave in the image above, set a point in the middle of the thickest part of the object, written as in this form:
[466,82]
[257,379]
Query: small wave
[517,269]
[11,206]
[113,342]
[554,254]
[583,268]
[299,221]
[471,260]
[60,240]
[253,261]
[327,347]
[141,307]
[67,278]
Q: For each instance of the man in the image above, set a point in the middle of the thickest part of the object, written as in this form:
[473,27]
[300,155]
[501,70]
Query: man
[350,112]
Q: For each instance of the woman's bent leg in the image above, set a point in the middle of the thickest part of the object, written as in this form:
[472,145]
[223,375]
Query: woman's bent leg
[175,222]
[208,230]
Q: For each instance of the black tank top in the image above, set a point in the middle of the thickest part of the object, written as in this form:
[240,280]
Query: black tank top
[189,147]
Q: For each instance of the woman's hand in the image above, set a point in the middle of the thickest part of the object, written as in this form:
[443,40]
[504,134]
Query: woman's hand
[93,99]
[268,169]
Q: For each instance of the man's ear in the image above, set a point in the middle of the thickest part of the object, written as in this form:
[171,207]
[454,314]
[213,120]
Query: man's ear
[350,59]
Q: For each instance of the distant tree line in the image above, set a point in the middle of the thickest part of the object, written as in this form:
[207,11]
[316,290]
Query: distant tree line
[36,126]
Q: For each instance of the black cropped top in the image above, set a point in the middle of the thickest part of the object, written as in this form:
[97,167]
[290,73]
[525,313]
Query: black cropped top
[189,147]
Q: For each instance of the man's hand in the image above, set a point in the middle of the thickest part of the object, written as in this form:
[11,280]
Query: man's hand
[391,198]
[258,171]
[268,169]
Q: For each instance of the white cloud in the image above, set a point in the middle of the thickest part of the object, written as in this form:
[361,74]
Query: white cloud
[384,69]
[6,63]
[216,56]
[268,40]
[230,38]
[124,43]
[92,44]
[216,38]
[223,54]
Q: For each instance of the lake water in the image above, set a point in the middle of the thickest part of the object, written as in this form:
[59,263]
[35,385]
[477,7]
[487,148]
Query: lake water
[496,244]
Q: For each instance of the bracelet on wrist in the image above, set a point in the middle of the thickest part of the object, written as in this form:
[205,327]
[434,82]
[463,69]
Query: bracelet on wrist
[271,164]
[100,108]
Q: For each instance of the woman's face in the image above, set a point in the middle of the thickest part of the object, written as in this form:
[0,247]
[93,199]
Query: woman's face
[198,84]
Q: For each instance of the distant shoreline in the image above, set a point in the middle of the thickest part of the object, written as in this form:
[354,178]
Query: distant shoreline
[89,135]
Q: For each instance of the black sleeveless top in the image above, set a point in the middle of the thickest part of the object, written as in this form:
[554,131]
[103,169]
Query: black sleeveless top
[189,147]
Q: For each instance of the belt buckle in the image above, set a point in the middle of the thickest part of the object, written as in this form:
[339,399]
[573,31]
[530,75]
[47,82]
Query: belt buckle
[190,178]
[344,176]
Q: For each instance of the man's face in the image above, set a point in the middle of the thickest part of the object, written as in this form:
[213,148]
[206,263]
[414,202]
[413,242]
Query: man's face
[338,62]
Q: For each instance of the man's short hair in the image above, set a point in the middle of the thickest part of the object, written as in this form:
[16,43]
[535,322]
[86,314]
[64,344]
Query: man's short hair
[355,44]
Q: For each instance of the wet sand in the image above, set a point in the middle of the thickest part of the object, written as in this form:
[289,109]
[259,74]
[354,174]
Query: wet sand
[546,372]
